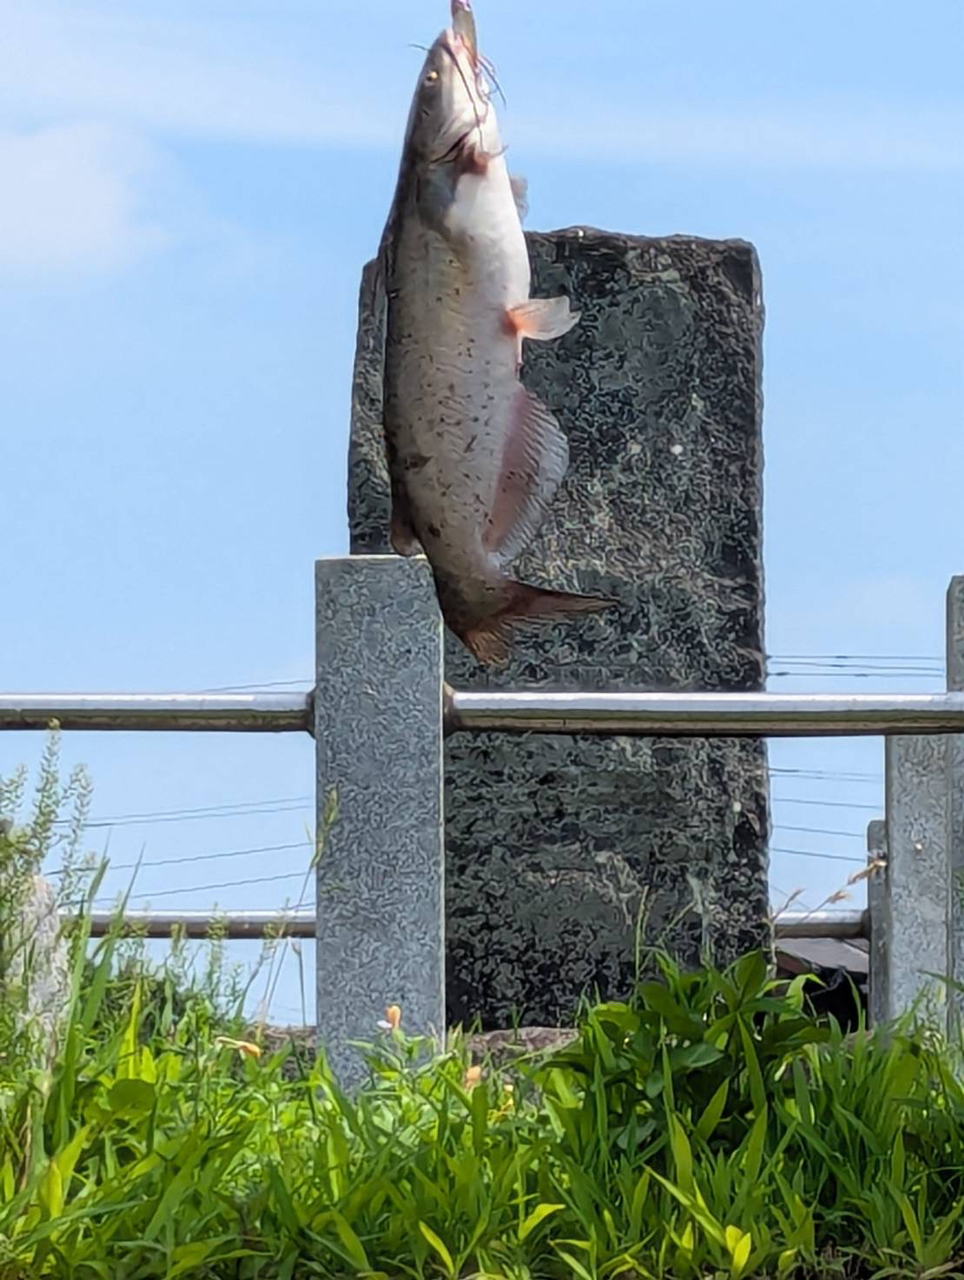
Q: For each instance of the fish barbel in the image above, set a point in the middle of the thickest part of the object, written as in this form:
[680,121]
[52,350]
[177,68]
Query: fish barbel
[475,458]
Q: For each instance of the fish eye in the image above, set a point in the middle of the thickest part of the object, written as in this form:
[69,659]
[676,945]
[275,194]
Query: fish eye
[431,77]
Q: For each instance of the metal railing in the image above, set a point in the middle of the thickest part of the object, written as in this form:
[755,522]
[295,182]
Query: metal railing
[240,925]
[664,715]
[379,713]
[160,712]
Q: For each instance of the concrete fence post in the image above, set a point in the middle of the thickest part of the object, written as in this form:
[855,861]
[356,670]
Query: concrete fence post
[955,767]
[378,735]
[918,861]
[877,913]
[917,917]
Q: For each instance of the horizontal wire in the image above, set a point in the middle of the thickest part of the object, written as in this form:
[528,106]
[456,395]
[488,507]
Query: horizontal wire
[262,684]
[826,775]
[291,804]
[824,857]
[883,665]
[820,831]
[242,809]
[828,804]
[855,657]
[199,857]
[224,884]
[855,675]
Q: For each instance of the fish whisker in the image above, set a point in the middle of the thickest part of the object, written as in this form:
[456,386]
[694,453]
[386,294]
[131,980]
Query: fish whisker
[479,119]
[488,67]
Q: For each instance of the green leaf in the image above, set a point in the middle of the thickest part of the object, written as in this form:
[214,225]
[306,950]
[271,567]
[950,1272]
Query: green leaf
[739,1244]
[439,1247]
[66,1159]
[692,1056]
[786,1261]
[897,1161]
[755,1075]
[188,1257]
[353,1246]
[51,1191]
[638,1202]
[755,1146]
[129,1063]
[131,1095]
[750,974]
[682,1154]
[538,1214]
[576,1265]
[714,1112]
[910,1222]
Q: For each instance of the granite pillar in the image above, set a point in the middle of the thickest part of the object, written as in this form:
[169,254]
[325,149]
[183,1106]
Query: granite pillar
[563,854]
[380,866]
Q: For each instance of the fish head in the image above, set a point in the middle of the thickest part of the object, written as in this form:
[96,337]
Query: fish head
[451,100]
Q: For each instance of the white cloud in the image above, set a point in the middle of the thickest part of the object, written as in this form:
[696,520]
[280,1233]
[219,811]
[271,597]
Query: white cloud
[71,199]
[194,78]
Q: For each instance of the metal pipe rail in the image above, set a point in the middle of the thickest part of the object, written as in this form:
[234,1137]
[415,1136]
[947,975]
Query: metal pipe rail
[201,924]
[705,715]
[301,924]
[685,715]
[164,712]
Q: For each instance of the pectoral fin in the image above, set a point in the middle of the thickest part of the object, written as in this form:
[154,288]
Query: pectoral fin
[534,462]
[542,319]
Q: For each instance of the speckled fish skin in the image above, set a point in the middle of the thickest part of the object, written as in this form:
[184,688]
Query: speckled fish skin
[474,458]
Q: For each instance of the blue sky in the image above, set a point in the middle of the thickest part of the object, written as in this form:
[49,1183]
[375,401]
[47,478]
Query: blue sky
[189,193]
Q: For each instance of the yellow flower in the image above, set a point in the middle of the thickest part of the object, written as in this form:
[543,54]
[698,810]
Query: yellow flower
[244,1047]
[473,1076]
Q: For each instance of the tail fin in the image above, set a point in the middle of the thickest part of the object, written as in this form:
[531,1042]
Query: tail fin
[490,639]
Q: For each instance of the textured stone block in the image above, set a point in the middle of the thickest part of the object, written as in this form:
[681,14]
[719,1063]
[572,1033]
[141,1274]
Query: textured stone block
[558,847]
[378,734]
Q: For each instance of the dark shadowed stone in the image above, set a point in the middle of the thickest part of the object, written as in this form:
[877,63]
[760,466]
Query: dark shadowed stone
[562,850]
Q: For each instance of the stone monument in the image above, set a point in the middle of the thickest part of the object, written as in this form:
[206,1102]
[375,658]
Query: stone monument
[567,855]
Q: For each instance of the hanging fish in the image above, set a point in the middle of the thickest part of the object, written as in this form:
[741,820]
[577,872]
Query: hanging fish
[475,458]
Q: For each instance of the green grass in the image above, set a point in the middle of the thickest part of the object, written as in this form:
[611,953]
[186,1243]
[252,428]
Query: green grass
[708,1127]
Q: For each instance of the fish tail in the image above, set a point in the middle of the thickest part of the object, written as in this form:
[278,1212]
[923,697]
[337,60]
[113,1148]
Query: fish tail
[489,639]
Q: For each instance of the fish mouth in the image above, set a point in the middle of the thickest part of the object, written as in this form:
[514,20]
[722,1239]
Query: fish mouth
[463,27]
[456,43]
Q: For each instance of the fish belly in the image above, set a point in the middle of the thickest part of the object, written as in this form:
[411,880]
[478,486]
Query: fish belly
[450,388]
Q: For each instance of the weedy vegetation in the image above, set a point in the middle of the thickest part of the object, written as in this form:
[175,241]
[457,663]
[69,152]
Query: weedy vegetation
[709,1126]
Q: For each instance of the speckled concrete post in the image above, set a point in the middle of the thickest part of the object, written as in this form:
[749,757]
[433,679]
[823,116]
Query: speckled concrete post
[877,911]
[558,848]
[378,734]
[955,921]
[918,852]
